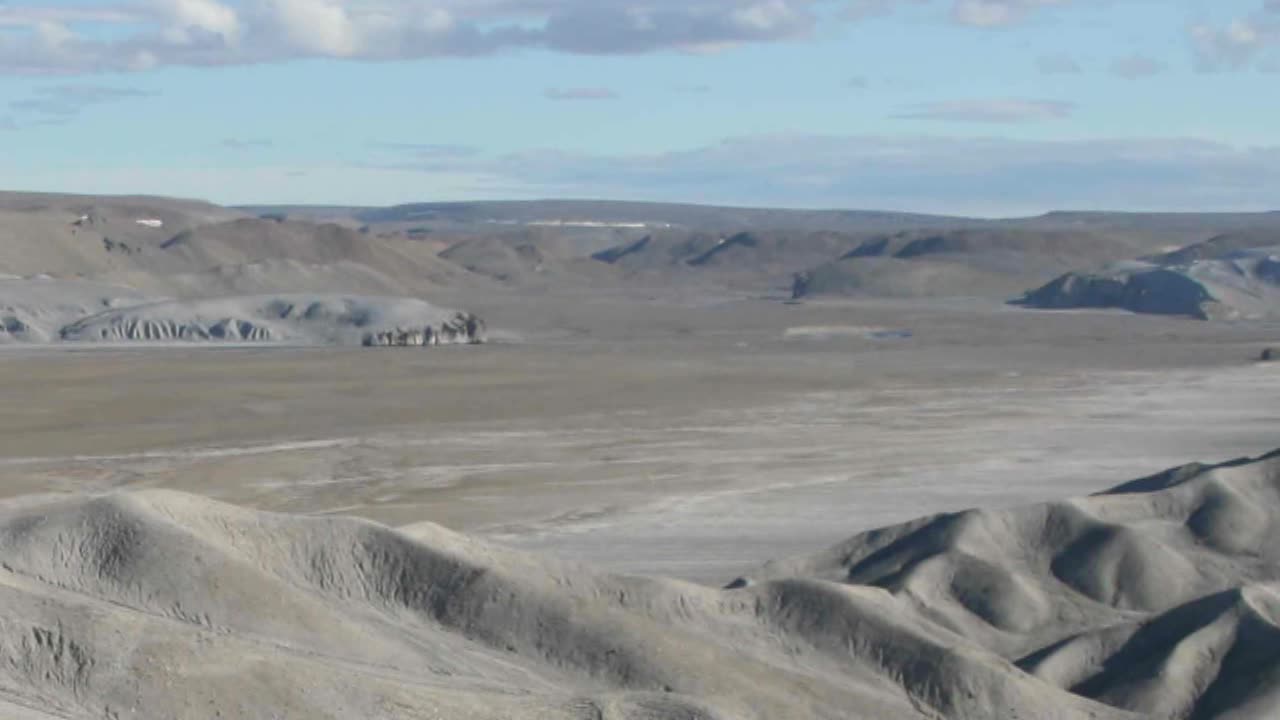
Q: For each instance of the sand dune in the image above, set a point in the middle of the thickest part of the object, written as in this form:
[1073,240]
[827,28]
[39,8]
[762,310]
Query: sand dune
[1151,599]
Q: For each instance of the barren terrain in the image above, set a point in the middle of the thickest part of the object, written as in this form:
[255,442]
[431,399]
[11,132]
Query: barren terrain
[663,489]
[659,437]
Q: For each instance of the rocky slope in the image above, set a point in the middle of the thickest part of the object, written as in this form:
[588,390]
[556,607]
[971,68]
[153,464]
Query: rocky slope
[293,319]
[1157,599]
[133,269]
[983,262]
[1234,276]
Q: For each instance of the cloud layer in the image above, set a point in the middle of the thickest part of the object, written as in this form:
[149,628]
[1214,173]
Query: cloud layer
[1241,42]
[49,37]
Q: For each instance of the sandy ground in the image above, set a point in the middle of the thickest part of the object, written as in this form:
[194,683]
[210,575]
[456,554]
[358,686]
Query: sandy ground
[656,435]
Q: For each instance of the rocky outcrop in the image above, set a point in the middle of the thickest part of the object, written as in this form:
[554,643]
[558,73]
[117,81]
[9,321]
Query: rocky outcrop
[12,326]
[1155,291]
[126,329]
[295,319]
[1241,284]
[612,255]
[462,329]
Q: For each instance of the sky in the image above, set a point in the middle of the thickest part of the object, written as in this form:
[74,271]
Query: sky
[973,107]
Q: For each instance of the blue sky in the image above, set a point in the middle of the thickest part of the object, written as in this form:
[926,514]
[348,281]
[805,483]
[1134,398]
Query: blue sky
[993,107]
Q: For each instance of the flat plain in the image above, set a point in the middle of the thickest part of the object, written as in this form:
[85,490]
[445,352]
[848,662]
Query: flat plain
[693,437]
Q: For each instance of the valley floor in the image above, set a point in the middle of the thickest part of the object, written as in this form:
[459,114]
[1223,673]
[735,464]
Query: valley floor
[690,437]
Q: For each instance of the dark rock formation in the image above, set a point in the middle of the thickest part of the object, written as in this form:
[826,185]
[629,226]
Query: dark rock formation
[1154,291]
[461,329]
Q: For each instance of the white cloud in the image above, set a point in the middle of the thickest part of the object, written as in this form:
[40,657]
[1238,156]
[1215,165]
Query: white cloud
[49,37]
[1241,42]
[192,17]
[996,13]
[319,27]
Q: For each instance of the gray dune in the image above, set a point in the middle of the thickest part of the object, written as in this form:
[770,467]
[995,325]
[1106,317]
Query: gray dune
[180,606]
[1157,599]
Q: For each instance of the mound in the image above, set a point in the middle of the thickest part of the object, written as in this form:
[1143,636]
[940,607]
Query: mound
[295,319]
[1220,247]
[504,260]
[1217,656]
[1125,604]
[253,241]
[182,607]
[93,236]
[1240,284]
[1025,579]
[35,309]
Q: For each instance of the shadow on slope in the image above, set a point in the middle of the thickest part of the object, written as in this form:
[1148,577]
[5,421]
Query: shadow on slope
[180,605]
[1157,597]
